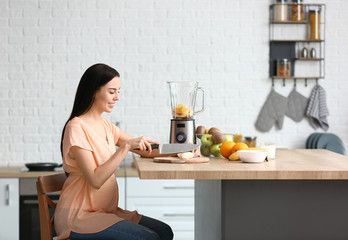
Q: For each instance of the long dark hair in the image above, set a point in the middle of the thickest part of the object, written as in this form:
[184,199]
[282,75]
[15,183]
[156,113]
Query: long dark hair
[91,81]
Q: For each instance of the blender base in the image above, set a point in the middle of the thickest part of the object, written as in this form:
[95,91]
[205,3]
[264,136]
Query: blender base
[182,131]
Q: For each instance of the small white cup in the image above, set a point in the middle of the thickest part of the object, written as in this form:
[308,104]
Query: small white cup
[271,150]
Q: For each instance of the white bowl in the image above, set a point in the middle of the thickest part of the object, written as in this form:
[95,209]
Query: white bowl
[252,156]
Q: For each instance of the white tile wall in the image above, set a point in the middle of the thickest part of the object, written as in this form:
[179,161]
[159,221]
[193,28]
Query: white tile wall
[45,46]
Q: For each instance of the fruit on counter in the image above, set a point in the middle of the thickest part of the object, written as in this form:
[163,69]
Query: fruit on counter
[228,138]
[207,140]
[182,111]
[239,146]
[186,155]
[200,130]
[205,150]
[226,149]
[254,148]
[215,150]
[218,138]
[214,130]
[234,157]
[237,138]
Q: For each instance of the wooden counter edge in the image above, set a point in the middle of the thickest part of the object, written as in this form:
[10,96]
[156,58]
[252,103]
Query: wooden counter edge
[337,171]
[14,172]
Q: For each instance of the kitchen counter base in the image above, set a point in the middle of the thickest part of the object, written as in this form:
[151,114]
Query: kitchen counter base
[276,209]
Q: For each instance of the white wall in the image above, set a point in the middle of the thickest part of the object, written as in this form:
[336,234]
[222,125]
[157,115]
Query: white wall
[45,46]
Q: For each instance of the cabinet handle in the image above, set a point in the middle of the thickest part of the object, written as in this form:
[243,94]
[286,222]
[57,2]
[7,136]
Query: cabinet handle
[178,187]
[178,214]
[35,202]
[7,194]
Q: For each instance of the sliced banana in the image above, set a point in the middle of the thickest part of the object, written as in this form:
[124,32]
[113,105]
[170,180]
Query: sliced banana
[234,157]
[185,155]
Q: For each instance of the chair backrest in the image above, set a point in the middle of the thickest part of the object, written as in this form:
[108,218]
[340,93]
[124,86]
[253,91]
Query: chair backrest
[48,184]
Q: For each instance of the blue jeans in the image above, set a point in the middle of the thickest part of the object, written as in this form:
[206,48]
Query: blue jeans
[147,229]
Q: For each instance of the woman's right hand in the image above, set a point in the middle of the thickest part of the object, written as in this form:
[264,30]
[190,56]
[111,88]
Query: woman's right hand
[141,143]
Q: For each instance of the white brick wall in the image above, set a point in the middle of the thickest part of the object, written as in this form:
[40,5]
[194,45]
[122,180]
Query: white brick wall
[45,46]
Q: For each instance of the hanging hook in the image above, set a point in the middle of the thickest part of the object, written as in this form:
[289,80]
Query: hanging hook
[306,82]
[283,82]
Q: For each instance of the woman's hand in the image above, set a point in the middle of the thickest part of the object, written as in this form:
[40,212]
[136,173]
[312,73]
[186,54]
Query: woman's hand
[141,143]
[196,152]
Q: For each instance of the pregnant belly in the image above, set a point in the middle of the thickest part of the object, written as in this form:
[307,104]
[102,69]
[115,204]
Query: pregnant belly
[106,198]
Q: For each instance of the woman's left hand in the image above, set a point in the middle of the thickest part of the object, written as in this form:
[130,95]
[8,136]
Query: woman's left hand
[196,152]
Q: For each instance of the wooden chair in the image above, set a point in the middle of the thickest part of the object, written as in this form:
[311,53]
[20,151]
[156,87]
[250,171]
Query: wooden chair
[48,184]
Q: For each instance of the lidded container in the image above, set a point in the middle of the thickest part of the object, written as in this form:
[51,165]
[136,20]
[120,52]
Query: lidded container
[283,67]
[280,11]
[314,16]
[297,13]
[183,98]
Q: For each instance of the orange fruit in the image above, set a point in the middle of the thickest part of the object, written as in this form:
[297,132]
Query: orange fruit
[239,146]
[226,148]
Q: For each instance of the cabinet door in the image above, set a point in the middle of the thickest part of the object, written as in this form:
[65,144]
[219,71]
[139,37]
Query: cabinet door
[121,192]
[159,188]
[9,209]
[171,201]
[177,212]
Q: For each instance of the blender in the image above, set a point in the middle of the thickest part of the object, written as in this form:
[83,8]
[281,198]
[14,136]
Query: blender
[183,108]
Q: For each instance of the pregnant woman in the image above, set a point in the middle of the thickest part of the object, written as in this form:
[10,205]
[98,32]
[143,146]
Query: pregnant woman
[88,205]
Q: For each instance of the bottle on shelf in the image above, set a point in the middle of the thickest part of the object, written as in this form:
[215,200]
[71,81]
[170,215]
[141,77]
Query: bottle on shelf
[283,67]
[297,13]
[314,22]
[304,53]
[280,11]
[313,53]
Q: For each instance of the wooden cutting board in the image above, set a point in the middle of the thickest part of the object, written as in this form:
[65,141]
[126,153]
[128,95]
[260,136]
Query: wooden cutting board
[179,160]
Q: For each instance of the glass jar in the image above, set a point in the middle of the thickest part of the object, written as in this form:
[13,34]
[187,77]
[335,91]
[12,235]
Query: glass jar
[314,23]
[297,13]
[283,67]
[280,11]
[250,141]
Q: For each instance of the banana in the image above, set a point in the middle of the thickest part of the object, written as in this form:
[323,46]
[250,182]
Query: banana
[185,155]
[234,157]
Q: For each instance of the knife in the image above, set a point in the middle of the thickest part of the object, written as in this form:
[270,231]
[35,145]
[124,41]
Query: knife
[173,147]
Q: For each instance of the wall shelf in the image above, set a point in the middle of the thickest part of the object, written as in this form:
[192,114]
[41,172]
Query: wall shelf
[296,40]
[290,22]
[309,59]
[281,47]
[290,77]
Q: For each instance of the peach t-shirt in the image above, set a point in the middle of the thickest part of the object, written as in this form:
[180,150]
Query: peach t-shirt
[82,208]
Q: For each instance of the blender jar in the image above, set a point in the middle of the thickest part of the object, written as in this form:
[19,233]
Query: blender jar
[183,98]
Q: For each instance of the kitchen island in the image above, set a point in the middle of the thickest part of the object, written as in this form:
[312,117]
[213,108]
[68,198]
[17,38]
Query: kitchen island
[302,194]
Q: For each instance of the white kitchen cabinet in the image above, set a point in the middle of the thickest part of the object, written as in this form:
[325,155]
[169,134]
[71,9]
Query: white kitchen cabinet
[9,209]
[171,201]
[121,192]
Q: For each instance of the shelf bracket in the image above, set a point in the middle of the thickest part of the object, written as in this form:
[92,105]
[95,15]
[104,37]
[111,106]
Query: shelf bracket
[306,84]
[272,82]
[294,82]
[283,82]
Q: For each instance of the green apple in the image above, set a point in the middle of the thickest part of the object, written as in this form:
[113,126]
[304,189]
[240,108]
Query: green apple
[215,150]
[207,140]
[205,150]
[228,138]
